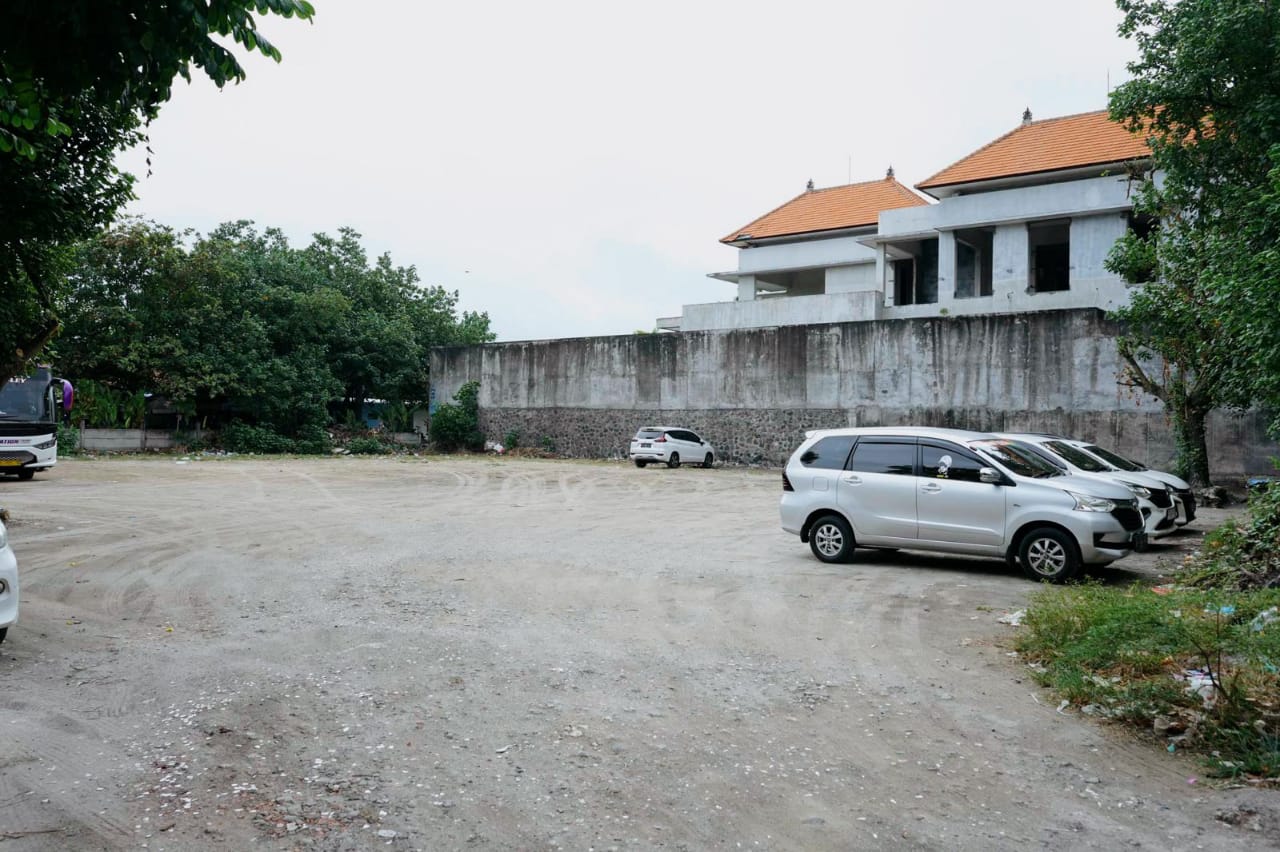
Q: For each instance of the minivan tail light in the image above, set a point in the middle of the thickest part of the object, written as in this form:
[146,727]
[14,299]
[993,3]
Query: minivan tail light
[661,440]
[786,483]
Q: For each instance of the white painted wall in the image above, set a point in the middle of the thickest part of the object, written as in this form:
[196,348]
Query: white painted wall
[809,253]
[852,279]
[782,310]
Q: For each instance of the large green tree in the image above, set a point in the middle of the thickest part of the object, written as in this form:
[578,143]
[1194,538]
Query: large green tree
[239,324]
[1205,91]
[78,79]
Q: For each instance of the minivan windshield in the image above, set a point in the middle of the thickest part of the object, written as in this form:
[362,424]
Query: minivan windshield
[1075,456]
[1116,460]
[1019,458]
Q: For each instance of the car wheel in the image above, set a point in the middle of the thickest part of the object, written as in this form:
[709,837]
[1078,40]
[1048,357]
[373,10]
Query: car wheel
[26,474]
[674,461]
[709,460]
[1049,554]
[3,632]
[831,539]
[641,462]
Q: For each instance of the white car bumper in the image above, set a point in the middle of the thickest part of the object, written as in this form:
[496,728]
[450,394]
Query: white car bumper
[9,593]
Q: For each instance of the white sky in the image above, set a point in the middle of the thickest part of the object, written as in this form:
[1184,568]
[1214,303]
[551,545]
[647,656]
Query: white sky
[569,167]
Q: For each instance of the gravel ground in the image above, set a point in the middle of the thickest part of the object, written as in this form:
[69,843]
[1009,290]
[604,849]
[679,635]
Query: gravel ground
[492,653]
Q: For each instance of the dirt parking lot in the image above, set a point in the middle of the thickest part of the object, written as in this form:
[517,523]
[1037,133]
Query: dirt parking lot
[520,654]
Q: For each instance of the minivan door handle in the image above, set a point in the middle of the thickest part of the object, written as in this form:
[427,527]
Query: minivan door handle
[851,479]
[931,487]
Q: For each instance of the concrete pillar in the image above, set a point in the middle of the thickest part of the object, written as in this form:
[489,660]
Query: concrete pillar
[884,284]
[946,268]
[746,288]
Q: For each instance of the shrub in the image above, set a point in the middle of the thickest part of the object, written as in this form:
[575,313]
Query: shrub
[242,438]
[512,439]
[68,440]
[456,427]
[1241,556]
[312,440]
[367,446]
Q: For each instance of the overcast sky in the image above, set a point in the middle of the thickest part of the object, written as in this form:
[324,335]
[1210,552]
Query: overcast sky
[569,167]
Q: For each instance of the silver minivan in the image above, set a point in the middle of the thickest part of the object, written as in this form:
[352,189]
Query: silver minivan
[952,491]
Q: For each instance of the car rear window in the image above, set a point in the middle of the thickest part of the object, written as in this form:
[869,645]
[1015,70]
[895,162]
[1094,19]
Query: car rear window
[880,457]
[648,434]
[829,453]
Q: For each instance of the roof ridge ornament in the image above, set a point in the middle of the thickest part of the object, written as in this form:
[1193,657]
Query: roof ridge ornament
[1026,116]
[889,174]
[809,186]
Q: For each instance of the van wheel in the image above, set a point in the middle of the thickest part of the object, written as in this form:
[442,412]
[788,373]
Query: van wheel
[831,539]
[26,474]
[674,461]
[641,462]
[708,461]
[3,632]
[1049,554]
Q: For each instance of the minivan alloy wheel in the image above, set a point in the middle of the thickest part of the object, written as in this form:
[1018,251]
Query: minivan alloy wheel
[1046,556]
[1049,554]
[831,539]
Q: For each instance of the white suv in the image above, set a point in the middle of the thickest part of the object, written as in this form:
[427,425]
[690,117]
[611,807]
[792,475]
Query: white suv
[670,445]
[952,491]
[8,584]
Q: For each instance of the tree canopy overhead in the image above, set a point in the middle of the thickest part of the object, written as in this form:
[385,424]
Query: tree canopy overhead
[124,53]
[78,80]
[1206,93]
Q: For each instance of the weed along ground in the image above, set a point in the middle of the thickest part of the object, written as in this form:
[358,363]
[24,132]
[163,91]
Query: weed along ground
[498,653]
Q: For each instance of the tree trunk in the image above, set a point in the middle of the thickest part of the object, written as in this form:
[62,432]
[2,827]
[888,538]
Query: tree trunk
[1193,451]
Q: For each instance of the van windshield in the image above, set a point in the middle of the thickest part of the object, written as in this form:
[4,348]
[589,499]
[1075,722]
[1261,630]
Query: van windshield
[1116,459]
[1077,457]
[1018,458]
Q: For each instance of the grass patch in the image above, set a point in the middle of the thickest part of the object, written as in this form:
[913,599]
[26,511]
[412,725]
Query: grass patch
[1197,666]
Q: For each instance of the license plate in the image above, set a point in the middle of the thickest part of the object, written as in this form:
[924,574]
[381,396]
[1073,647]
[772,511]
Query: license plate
[1171,512]
[646,446]
[10,462]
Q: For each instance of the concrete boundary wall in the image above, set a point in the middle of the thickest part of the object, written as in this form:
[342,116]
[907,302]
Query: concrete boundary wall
[754,392]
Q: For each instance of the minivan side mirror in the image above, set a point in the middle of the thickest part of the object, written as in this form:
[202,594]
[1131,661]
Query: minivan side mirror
[990,475]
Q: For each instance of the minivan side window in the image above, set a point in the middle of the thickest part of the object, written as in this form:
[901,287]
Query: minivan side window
[884,457]
[830,453]
[939,461]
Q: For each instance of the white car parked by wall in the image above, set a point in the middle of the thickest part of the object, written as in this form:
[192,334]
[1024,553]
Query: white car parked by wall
[8,584]
[1183,497]
[670,445]
[1155,499]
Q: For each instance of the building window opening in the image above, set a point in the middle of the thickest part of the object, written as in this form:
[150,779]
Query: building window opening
[904,281]
[1050,261]
[973,263]
[1144,227]
[915,273]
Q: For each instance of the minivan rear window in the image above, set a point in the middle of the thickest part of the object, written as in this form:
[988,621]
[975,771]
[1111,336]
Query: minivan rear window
[648,434]
[878,457]
[829,453]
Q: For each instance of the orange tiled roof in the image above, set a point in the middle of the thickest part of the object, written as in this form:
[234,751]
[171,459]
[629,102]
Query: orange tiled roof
[1087,139]
[851,206]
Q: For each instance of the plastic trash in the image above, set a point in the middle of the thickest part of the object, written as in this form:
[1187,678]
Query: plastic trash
[1014,618]
[1268,616]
